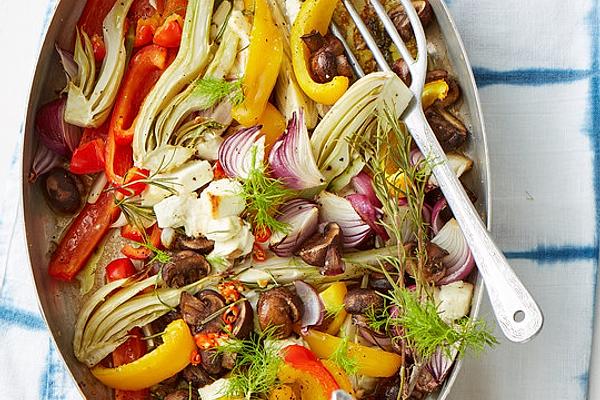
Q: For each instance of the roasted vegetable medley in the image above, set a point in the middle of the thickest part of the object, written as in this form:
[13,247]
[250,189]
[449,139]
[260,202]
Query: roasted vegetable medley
[245,218]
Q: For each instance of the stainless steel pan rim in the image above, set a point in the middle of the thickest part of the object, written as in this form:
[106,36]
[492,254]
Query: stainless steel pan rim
[64,14]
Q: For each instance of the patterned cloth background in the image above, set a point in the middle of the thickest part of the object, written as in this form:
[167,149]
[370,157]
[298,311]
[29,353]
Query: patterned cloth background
[538,67]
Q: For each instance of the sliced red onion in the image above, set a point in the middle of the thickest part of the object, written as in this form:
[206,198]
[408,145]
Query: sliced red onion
[369,213]
[235,153]
[436,215]
[337,209]
[302,217]
[314,310]
[68,62]
[52,130]
[459,262]
[43,161]
[440,364]
[382,341]
[363,184]
[292,159]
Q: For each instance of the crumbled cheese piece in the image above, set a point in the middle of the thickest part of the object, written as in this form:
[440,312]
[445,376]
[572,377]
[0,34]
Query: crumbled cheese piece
[238,245]
[223,229]
[186,179]
[222,198]
[208,146]
[172,211]
[454,300]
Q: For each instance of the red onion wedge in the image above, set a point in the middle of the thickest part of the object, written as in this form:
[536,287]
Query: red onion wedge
[52,129]
[302,217]
[363,184]
[314,310]
[68,63]
[43,161]
[337,209]
[369,213]
[440,364]
[459,262]
[235,153]
[292,159]
[384,342]
[437,221]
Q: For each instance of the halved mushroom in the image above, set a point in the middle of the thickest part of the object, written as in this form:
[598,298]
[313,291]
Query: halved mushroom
[212,361]
[63,191]
[314,41]
[402,23]
[200,244]
[196,310]
[281,308]
[400,68]
[449,130]
[185,267]
[434,269]
[327,58]
[245,321]
[325,250]
[359,300]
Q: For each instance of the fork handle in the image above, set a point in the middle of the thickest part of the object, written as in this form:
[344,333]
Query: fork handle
[517,313]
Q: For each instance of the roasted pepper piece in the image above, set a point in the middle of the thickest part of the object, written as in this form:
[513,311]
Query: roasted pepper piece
[340,376]
[333,300]
[315,15]
[169,33]
[303,367]
[82,237]
[264,59]
[143,252]
[161,363]
[88,158]
[143,71]
[273,125]
[372,361]
[432,91]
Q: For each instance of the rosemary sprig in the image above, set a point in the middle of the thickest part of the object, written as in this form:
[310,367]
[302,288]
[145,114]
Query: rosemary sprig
[343,359]
[256,364]
[135,212]
[263,196]
[214,90]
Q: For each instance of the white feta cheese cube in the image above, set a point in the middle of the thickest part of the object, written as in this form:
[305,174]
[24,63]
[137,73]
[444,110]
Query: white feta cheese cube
[223,198]
[197,217]
[237,246]
[454,300]
[172,211]
[223,229]
[185,179]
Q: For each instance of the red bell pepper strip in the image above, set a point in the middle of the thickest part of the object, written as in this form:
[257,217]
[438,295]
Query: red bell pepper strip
[143,252]
[175,6]
[82,237]
[130,187]
[88,158]
[93,16]
[90,134]
[135,347]
[98,47]
[144,33]
[305,360]
[143,71]
[169,33]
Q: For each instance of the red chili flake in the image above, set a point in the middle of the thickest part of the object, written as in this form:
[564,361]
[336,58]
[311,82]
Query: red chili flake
[262,234]
[231,314]
[196,358]
[219,172]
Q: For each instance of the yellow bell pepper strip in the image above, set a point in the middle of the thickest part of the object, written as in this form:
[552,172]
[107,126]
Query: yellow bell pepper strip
[283,392]
[265,53]
[339,375]
[304,368]
[154,367]
[314,15]
[333,300]
[371,361]
[273,124]
[432,91]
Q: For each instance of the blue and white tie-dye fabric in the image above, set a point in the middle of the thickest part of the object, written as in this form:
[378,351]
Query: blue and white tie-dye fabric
[538,67]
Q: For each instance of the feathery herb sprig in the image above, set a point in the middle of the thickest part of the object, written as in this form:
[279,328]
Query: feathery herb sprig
[214,90]
[263,196]
[257,362]
[343,359]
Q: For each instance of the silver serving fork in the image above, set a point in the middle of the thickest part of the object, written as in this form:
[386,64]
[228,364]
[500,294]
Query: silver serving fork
[517,313]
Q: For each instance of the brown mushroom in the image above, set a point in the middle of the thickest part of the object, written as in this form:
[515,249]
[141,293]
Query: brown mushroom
[196,310]
[343,66]
[212,361]
[400,68]
[434,269]
[184,267]
[388,389]
[63,191]
[200,244]
[182,394]
[323,66]
[453,94]
[281,308]
[245,320]
[436,75]
[324,250]
[196,376]
[449,130]
[314,41]
[402,23]
[426,384]
[333,45]
[359,300]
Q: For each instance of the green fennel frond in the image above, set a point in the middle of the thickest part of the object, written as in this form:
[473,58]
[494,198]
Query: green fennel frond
[343,359]
[214,90]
